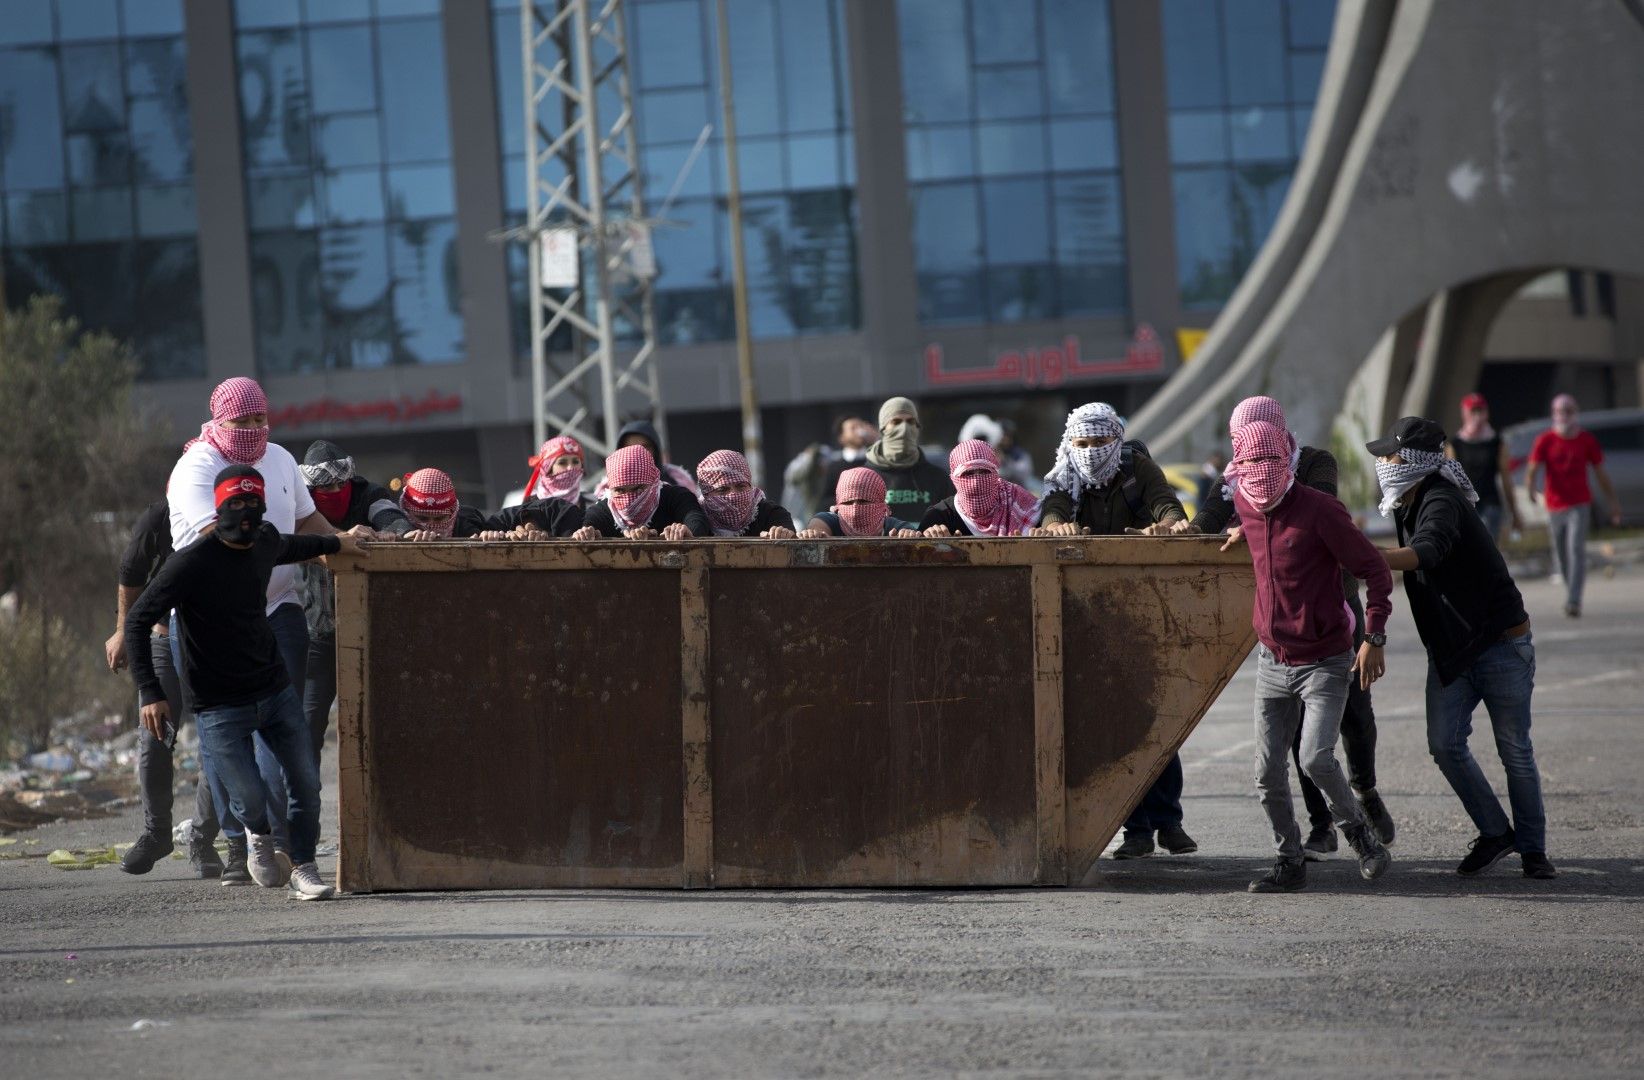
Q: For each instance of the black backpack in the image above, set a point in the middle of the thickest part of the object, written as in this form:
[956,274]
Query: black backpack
[1132,488]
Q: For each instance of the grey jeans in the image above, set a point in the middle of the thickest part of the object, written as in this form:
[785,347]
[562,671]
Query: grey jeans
[1312,696]
[155,772]
[1568,532]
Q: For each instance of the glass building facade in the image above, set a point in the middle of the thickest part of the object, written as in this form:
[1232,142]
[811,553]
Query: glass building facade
[350,196]
[96,171]
[1241,79]
[1012,159]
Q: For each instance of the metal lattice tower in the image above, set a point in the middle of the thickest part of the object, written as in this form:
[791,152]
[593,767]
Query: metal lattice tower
[584,175]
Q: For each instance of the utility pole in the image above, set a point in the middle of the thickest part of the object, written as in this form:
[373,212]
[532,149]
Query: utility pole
[585,200]
[753,429]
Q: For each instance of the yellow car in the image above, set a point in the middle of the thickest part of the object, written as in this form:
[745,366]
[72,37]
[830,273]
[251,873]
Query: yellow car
[1184,478]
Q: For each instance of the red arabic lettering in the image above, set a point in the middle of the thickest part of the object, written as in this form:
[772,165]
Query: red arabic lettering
[395,411]
[1049,366]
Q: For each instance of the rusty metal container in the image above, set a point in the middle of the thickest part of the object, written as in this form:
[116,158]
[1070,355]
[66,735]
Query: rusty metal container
[726,713]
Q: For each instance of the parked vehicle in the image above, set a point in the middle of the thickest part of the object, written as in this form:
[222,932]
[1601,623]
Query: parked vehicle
[1621,433]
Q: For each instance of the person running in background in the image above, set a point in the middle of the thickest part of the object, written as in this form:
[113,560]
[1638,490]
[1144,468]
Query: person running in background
[557,472]
[1566,452]
[1483,455]
[241,689]
[640,506]
[347,502]
[146,552]
[986,504]
[1102,486]
[1299,540]
[912,482]
[808,480]
[859,509]
[1315,468]
[733,505]
[1471,619]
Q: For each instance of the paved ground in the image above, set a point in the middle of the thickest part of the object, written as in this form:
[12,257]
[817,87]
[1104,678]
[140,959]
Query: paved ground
[1159,968]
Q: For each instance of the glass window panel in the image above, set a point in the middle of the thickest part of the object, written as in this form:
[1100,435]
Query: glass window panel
[281,202]
[1090,251]
[947,233]
[675,115]
[95,160]
[1260,134]
[334,11]
[760,162]
[1258,195]
[1003,33]
[754,66]
[166,325]
[764,231]
[353,196]
[510,76]
[941,153]
[693,301]
[341,63]
[1193,55]
[1078,56]
[1003,149]
[24,22]
[389,9]
[816,161]
[354,294]
[513,185]
[87,20]
[100,215]
[36,218]
[935,66]
[160,143]
[166,211]
[341,141]
[822,261]
[1255,51]
[669,44]
[93,97]
[157,67]
[1007,93]
[1083,144]
[1306,71]
[1206,264]
[427,295]
[1300,121]
[813,98]
[152,17]
[273,99]
[258,14]
[1310,22]
[415,121]
[420,191]
[1198,137]
[1016,228]
[663,165]
[285,302]
[31,154]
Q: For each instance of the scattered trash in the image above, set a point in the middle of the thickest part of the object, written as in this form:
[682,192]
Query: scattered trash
[325,850]
[72,956]
[183,831]
[68,982]
[7,841]
[51,761]
[149,1025]
[86,771]
[66,859]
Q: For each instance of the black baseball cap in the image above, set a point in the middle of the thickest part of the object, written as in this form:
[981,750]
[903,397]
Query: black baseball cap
[1412,432]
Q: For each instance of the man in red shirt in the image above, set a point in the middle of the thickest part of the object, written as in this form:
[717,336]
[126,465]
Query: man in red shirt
[1566,452]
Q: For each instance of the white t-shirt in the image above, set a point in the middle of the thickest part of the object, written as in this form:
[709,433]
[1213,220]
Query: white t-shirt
[194,504]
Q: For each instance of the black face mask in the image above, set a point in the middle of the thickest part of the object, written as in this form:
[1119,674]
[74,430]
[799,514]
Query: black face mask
[240,526]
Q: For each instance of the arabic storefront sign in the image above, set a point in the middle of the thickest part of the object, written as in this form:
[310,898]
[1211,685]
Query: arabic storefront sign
[1047,366]
[393,410]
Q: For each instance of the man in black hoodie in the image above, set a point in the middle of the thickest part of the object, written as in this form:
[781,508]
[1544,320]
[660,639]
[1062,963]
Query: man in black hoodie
[1472,620]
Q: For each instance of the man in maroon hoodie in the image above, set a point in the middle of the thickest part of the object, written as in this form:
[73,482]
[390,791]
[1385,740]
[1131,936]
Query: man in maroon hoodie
[1300,539]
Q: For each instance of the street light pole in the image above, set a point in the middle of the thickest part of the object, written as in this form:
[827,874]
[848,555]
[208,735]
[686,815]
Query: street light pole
[753,434]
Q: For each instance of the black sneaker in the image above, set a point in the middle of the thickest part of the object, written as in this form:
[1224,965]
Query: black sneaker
[1135,846]
[1375,812]
[1174,839]
[235,871]
[203,858]
[1485,852]
[1373,857]
[149,849]
[1537,865]
[1287,875]
[1320,842]
[1572,611]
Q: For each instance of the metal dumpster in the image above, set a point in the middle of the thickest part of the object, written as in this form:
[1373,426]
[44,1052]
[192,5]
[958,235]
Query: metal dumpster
[728,713]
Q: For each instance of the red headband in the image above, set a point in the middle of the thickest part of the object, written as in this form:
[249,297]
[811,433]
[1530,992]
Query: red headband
[239,487]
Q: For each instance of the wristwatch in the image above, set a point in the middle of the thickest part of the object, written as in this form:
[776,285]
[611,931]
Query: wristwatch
[1378,640]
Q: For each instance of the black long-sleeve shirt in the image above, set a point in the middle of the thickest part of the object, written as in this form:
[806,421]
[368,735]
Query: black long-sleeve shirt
[554,516]
[230,656]
[767,516]
[675,505]
[149,546]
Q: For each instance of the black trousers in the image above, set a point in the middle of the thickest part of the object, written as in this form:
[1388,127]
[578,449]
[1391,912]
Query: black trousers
[1162,805]
[155,771]
[320,689]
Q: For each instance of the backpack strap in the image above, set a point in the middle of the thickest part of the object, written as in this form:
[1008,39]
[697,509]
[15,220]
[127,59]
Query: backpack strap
[1131,489]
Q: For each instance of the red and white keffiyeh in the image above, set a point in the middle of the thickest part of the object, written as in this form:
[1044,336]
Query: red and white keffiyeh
[728,511]
[565,485]
[430,501]
[862,519]
[1249,411]
[628,466]
[233,399]
[1262,464]
[989,504]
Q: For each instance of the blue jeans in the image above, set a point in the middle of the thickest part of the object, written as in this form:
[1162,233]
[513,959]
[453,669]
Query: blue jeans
[291,633]
[227,734]
[1503,678]
[1161,806]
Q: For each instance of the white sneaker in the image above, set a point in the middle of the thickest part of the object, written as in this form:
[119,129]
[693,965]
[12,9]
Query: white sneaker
[269,868]
[306,883]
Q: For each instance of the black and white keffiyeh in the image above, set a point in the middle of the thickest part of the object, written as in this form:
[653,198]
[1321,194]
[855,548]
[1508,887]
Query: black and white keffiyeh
[1397,478]
[1077,468]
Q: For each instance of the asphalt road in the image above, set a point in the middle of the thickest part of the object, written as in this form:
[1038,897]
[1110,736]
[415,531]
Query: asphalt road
[1162,967]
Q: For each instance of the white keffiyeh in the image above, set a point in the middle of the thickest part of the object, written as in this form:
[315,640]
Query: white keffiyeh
[1077,468]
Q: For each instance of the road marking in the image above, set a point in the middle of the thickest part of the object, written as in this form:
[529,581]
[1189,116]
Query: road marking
[1220,755]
